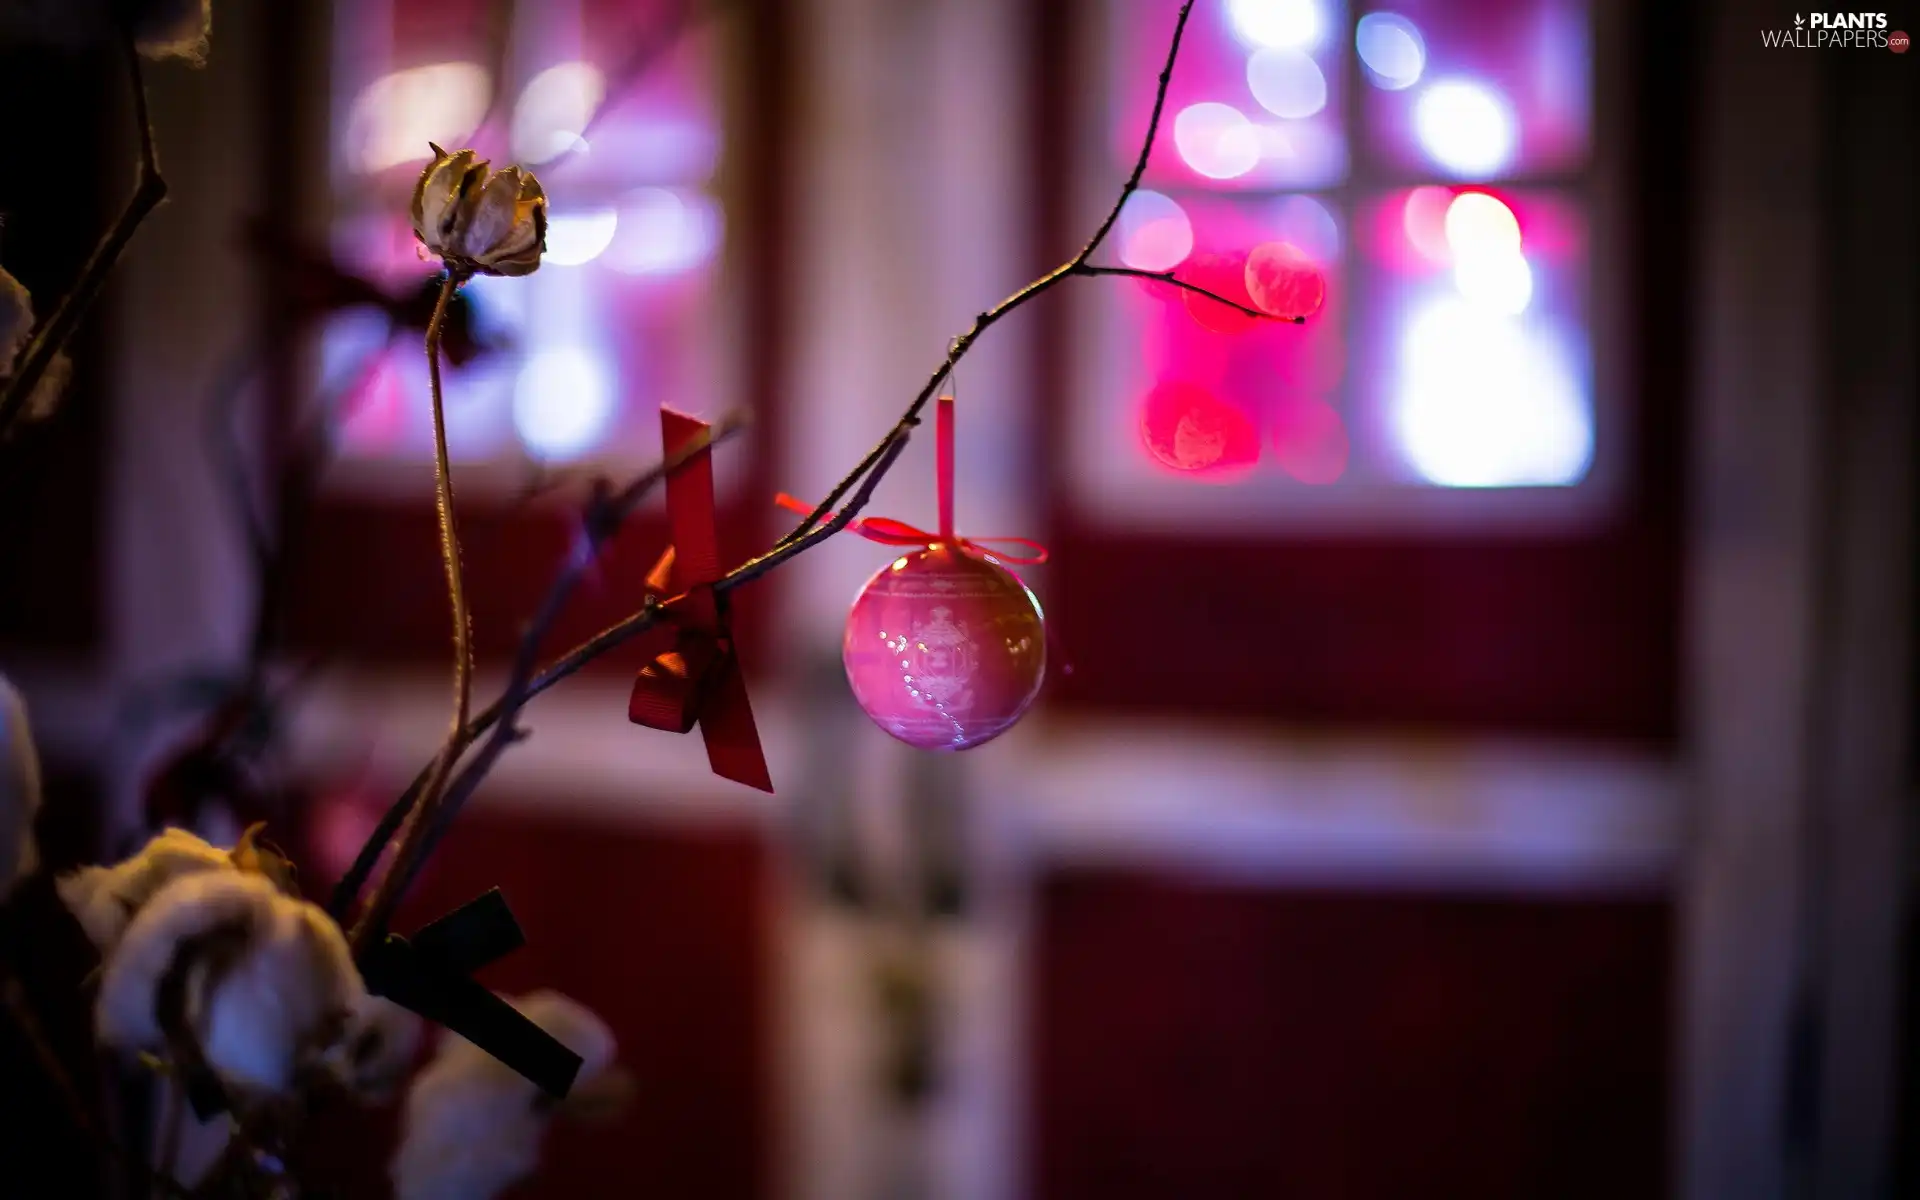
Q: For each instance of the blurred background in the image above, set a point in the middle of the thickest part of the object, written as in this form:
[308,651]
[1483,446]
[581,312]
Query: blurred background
[1485,767]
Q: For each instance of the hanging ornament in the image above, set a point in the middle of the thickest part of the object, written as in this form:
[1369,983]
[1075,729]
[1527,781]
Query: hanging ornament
[945,647]
[694,677]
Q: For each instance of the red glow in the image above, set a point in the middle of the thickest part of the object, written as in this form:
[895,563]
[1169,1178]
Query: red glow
[373,407]
[1190,430]
[1310,440]
[1173,347]
[1284,281]
[1222,275]
[1424,221]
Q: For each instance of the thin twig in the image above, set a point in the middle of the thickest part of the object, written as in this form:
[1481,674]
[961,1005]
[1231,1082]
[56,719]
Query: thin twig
[449,523]
[1196,289]
[418,820]
[606,513]
[53,336]
[985,320]
[816,527]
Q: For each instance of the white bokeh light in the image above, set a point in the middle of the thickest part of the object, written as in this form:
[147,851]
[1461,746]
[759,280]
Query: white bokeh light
[563,402]
[1391,49]
[1485,401]
[1465,127]
[553,110]
[1478,225]
[663,232]
[1287,83]
[1285,24]
[1155,234]
[398,114]
[1216,140]
[1499,282]
[1306,223]
[581,237]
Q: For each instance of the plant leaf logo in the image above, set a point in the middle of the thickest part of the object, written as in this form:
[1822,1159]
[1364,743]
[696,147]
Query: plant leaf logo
[1797,22]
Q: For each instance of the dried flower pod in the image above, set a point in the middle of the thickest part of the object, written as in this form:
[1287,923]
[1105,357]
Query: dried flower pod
[374,1055]
[259,857]
[474,1125]
[222,968]
[480,221]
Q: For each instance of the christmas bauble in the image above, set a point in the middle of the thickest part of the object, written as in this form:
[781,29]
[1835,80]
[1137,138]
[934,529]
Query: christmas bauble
[945,648]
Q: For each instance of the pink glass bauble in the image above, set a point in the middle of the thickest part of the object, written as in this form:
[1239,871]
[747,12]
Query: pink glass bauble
[945,648]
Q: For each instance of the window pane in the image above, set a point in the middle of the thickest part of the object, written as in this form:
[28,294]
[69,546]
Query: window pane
[1181,390]
[1474,338]
[1476,91]
[1255,103]
[612,102]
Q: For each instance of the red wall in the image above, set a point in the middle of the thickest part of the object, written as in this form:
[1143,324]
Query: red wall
[1198,1041]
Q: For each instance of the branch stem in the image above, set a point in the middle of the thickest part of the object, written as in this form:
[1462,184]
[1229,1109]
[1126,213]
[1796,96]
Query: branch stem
[53,335]
[428,818]
[373,923]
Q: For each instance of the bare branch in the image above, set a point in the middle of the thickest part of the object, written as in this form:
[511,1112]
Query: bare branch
[605,517]
[53,336]
[964,343]
[1196,289]
[418,819]
[605,514]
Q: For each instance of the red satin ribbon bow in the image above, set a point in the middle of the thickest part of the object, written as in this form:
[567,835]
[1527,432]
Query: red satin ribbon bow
[889,532]
[697,680]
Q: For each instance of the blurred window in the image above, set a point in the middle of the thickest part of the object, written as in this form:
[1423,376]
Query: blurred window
[613,104]
[1416,180]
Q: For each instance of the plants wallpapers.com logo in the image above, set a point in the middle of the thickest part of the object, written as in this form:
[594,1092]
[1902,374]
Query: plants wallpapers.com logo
[1842,31]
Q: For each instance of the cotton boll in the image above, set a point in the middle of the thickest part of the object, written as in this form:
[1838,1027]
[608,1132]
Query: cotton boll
[473,1124]
[105,899]
[285,1002]
[19,790]
[576,1028]
[378,1048]
[274,995]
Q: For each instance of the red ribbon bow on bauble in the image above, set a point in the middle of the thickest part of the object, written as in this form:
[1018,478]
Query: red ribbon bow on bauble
[889,532]
[697,680]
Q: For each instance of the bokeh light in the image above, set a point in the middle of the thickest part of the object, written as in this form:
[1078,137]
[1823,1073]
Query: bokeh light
[1190,430]
[1465,127]
[1284,280]
[663,232]
[1391,49]
[1500,281]
[1484,401]
[563,402]
[1424,221]
[1284,24]
[1155,233]
[1216,140]
[1308,224]
[1310,440]
[398,114]
[553,110]
[1286,82]
[1223,275]
[1478,225]
[581,237]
